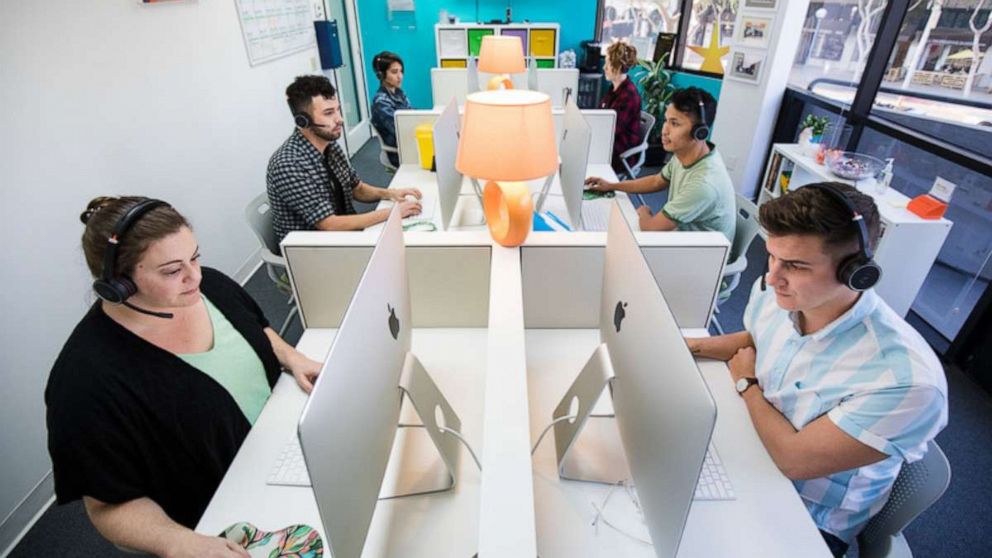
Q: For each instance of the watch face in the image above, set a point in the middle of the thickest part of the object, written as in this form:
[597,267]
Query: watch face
[742,385]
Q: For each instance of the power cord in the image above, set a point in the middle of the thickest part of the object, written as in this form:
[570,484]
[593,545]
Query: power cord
[601,509]
[420,225]
[454,433]
[548,427]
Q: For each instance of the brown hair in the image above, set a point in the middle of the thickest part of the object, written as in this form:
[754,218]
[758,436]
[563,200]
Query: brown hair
[814,212]
[621,56]
[102,215]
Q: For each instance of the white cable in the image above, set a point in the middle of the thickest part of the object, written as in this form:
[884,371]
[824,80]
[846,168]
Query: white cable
[548,427]
[601,515]
[458,435]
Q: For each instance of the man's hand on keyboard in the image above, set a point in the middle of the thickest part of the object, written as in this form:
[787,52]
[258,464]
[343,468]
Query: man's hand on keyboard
[401,194]
[598,184]
[409,208]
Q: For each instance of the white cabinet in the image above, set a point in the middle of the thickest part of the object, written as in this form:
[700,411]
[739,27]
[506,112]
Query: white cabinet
[909,244]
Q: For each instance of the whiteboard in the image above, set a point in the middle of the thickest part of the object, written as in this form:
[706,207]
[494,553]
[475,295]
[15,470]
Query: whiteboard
[275,28]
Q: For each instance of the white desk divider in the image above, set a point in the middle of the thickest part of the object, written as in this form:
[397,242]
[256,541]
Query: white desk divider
[602,123]
[448,83]
[563,275]
[449,275]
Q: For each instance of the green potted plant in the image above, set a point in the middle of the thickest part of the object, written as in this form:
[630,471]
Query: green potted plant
[811,135]
[657,90]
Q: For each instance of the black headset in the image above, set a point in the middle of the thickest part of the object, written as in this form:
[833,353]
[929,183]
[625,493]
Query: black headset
[117,289]
[858,271]
[701,131]
[302,119]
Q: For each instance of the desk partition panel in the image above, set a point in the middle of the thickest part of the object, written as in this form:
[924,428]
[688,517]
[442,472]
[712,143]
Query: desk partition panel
[449,276]
[563,276]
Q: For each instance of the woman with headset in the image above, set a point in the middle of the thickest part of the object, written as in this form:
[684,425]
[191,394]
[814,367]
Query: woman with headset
[157,387]
[700,193]
[623,98]
[388,99]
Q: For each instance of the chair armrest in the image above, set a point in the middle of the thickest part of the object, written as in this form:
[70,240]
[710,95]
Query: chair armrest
[735,267]
[634,151]
[272,259]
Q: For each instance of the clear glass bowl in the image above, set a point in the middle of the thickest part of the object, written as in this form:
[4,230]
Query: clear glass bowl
[853,166]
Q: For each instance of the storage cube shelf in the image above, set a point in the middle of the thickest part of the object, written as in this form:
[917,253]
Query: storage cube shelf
[908,246]
[455,44]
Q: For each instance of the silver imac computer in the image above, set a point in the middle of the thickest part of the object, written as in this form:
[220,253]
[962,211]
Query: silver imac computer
[664,413]
[449,180]
[348,430]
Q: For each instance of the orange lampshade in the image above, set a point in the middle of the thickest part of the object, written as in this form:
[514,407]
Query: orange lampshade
[501,55]
[507,135]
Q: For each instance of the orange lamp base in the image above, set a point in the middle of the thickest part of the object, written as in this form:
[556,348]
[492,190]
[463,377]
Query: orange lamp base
[509,212]
[500,82]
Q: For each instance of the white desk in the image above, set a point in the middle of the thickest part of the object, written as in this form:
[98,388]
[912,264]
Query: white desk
[444,524]
[468,212]
[767,518]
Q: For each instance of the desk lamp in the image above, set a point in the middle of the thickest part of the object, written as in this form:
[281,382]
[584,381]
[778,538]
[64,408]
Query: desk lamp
[501,55]
[507,137]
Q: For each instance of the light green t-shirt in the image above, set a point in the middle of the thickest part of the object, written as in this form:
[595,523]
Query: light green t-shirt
[701,196]
[233,364]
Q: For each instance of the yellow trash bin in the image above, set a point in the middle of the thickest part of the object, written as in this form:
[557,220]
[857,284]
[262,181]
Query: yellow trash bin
[425,144]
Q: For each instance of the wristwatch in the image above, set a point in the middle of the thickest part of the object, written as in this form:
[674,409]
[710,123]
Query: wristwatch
[745,383]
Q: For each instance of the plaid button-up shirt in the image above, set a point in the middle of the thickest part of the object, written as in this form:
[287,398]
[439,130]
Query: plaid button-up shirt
[626,102]
[301,185]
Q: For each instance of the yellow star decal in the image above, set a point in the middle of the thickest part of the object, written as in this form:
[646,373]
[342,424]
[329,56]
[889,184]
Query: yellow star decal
[713,53]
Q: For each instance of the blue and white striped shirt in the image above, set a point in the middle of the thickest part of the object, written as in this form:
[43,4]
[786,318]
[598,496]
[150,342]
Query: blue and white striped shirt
[872,374]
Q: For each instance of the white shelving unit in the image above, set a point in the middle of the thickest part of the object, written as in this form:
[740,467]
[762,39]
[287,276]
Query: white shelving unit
[456,43]
[909,244]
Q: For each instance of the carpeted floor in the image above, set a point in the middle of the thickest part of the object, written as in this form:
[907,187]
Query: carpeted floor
[956,526]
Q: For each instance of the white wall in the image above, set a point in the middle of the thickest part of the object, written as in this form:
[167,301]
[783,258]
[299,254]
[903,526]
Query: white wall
[746,114]
[113,97]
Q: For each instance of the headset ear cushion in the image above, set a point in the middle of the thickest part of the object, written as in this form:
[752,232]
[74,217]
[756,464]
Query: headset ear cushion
[858,274]
[701,132]
[114,291]
[301,120]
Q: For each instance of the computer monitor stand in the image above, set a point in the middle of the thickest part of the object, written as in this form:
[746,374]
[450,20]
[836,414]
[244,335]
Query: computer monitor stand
[414,467]
[588,446]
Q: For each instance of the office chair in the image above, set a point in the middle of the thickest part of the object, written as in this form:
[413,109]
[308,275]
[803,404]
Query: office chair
[641,149]
[384,151]
[917,487]
[259,216]
[746,230]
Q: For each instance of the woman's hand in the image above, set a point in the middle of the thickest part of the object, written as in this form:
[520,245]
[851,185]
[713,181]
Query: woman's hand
[304,370]
[195,545]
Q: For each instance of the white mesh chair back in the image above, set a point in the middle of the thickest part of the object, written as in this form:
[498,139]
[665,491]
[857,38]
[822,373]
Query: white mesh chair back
[917,487]
[641,149]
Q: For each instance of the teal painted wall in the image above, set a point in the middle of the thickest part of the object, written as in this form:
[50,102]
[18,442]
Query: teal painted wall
[577,19]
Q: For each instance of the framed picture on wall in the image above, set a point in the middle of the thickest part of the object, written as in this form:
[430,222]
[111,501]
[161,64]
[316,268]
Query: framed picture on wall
[761,4]
[755,31]
[746,66]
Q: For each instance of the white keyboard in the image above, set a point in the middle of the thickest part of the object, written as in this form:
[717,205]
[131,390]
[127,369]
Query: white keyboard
[595,216]
[713,481]
[290,469]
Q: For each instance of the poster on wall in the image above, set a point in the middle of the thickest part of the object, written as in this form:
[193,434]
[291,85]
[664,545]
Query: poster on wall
[746,66]
[275,28]
[755,31]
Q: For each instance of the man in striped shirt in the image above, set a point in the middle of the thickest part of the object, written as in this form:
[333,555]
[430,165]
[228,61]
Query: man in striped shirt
[841,390]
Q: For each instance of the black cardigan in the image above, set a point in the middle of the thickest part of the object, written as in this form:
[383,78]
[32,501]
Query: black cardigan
[127,419]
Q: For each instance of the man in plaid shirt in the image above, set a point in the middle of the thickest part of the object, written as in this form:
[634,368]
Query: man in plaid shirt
[310,182]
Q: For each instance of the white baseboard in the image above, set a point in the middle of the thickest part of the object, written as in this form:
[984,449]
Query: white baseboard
[247,269]
[26,514]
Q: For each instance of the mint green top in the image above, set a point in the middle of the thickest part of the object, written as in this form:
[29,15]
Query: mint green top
[233,364]
[701,196]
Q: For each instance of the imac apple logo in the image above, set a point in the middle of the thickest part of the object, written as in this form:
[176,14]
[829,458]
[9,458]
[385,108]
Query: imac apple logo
[619,314]
[394,322]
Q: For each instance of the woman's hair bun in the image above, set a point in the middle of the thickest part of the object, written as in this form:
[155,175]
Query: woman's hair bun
[96,204]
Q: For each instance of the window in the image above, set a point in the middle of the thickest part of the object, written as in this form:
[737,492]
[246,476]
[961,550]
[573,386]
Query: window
[639,22]
[837,38]
[939,77]
[706,16]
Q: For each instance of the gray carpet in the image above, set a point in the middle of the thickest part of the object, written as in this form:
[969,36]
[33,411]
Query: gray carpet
[957,525]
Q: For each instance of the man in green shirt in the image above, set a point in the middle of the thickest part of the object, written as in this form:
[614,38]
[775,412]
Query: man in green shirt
[700,196]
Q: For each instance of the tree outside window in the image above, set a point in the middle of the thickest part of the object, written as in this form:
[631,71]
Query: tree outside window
[639,22]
